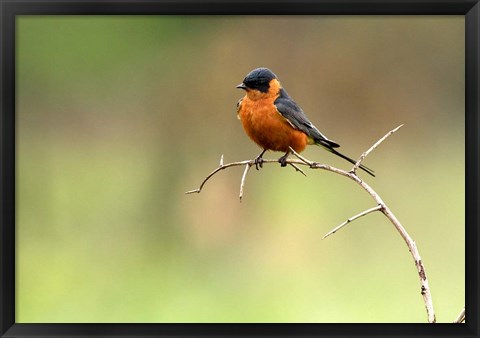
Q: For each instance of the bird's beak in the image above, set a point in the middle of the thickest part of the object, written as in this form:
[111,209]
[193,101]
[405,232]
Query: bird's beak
[241,86]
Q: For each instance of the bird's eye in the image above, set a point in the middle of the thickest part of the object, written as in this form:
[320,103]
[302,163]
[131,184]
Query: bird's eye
[259,83]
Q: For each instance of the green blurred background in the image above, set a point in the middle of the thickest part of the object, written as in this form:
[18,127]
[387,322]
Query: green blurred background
[118,116]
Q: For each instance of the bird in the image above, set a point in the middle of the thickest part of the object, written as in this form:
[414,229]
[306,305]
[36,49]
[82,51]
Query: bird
[274,121]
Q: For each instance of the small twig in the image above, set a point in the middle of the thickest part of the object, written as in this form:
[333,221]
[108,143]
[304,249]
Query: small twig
[301,158]
[461,316]
[220,167]
[298,169]
[365,154]
[242,182]
[351,219]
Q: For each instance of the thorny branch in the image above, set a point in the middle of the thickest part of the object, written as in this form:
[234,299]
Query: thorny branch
[380,206]
[248,164]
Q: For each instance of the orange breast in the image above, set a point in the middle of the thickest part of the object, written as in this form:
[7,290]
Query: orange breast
[267,128]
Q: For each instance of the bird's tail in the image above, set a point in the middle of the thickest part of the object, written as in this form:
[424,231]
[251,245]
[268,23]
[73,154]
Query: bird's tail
[330,149]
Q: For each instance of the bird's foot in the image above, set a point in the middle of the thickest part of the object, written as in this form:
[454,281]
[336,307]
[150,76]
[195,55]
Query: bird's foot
[258,162]
[283,159]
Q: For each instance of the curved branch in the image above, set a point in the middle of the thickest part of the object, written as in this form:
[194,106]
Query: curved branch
[220,167]
[380,206]
[248,164]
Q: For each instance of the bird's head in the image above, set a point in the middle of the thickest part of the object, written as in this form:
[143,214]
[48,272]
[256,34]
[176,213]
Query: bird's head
[261,80]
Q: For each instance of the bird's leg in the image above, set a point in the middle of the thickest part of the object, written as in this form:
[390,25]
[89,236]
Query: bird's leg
[259,160]
[283,159]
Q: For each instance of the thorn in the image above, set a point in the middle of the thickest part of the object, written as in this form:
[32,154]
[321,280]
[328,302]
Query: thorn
[298,169]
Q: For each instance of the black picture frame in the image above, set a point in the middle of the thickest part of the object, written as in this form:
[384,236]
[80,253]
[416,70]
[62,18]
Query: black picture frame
[9,9]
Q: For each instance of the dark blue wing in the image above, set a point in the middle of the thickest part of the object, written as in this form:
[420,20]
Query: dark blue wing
[297,118]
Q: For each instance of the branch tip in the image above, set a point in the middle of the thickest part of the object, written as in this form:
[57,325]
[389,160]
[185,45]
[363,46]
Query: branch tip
[242,182]
[351,219]
[298,169]
[365,154]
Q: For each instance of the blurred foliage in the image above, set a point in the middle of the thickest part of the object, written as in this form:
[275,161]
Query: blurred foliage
[118,116]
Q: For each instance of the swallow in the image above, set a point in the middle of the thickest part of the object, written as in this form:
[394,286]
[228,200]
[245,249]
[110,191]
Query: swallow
[274,121]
